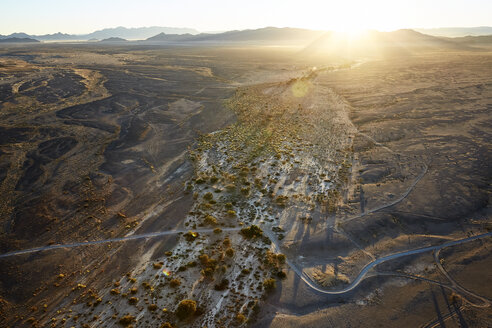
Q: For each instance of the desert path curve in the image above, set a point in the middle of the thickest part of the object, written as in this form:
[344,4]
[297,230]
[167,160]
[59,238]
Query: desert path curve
[363,273]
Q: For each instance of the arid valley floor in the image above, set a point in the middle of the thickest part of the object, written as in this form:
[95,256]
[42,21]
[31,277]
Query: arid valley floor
[272,187]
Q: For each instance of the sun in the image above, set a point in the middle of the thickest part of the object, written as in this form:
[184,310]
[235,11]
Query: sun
[353,32]
[353,17]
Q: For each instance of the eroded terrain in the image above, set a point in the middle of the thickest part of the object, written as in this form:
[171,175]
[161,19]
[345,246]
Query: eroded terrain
[271,182]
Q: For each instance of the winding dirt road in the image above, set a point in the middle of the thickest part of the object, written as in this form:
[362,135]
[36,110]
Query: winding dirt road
[363,273]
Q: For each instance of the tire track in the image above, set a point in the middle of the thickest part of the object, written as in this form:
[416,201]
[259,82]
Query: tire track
[111,240]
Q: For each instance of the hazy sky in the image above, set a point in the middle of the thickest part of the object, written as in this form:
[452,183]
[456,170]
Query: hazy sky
[84,16]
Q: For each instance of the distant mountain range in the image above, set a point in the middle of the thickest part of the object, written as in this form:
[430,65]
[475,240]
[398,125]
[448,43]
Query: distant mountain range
[273,35]
[262,34]
[452,32]
[140,33]
[403,39]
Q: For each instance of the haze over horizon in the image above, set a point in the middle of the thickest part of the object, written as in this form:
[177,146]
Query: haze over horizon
[54,16]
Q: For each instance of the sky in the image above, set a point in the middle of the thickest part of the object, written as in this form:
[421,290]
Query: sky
[79,17]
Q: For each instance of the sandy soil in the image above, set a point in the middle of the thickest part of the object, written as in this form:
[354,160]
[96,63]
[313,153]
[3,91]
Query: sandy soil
[338,162]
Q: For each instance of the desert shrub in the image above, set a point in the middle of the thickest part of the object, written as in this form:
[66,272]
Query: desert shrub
[203,259]
[231,213]
[158,265]
[226,242]
[208,196]
[252,232]
[167,325]
[115,291]
[127,320]
[266,240]
[207,272]
[133,290]
[210,220]
[240,318]
[229,252]
[281,274]
[222,285]
[214,179]
[269,284]
[217,230]
[281,258]
[175,283]
[454,298]
[152,307]
[186,309]
[281,200]
[133,300]
[190,236]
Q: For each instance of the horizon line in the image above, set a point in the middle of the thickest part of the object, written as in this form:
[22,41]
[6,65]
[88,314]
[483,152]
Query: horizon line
[246,29]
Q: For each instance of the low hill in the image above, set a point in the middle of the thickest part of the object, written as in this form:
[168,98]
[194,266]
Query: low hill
[18,40]
[452,32]
[482,40]
[56,37]
[162,37]
[114,39]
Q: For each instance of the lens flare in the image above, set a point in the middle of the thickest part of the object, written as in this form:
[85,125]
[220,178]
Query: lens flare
[300,88]
[166,272]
